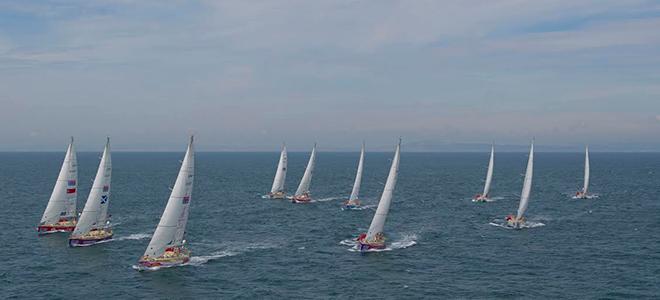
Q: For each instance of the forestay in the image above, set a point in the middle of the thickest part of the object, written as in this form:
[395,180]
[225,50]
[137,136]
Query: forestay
[280,174]
[489,173]
[95,212]
[527,184]
[358,177]
[172,225]
[306,180]
[62,202]
[378,221]
[586,171]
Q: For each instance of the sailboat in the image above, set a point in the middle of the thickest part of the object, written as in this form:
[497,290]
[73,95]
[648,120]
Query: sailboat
[484,197]
[353,201]
[302,193]
[167,245]
[583,194]
[94,224]
[375,238]
[518,220]
[60,213]
[277,191]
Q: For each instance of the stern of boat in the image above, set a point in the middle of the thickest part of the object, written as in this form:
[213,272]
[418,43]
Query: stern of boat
[171,258]
[91,238]
[301,199]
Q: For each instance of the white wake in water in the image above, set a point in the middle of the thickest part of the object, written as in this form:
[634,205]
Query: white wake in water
[526,225]
[594,196]
[325,199]
[134,236]
[406,241]
[231,250]
[200,260]
[361,207]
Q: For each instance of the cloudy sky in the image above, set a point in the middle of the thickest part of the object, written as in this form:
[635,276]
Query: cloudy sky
[247,75]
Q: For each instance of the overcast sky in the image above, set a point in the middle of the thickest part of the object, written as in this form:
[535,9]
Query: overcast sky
[247,75]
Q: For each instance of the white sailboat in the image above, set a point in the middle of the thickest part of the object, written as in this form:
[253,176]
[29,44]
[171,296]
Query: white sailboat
[354,201]
[484,197]
[584,193]
[60,213]
[167,245]
[94,224]
[277,191]
[375,238]
[519,220]
[302,194]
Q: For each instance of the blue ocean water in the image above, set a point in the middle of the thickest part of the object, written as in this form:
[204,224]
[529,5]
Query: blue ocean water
[245,246]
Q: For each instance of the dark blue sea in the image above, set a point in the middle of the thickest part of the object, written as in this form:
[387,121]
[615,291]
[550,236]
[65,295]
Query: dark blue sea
[442,244]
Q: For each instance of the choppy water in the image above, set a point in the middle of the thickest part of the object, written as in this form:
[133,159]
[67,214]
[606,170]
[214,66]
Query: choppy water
[442,243]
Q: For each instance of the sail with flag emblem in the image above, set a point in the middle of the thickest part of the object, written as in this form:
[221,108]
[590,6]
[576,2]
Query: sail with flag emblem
[172,226]
[95,212]
[62,202]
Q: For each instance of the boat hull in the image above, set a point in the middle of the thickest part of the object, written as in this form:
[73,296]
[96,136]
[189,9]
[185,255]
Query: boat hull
[276,196]
[364,247]
[48,229]
[84,242]
[146,264]
[351,207]
[581,195]
[302,199]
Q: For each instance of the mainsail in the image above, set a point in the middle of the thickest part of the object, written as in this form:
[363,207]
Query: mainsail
[307,177]
[489,173]
[378,221]
[358,177]
[172,225]
[280,174]
[62,202]
[586,171]
[527,184]
[95,212]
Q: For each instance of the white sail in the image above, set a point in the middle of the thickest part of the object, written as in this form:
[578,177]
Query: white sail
[378,221]
[280,174]
[527,184]
[95,212]
[489,173]
[172,225]
[307,177]
[355,193]
[586,171]
[62,202]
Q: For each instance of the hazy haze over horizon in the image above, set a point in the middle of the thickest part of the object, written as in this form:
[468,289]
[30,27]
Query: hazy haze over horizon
[246,76]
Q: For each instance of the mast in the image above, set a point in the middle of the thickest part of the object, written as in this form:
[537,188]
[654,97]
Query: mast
[378,221]
[172,225]
[489,173]
[280,174]
[586,171]
[307,177]
[527,184]
[95,212]
[62,202]
[358,177]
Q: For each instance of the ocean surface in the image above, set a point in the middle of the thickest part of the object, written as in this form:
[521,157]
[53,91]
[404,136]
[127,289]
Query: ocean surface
[442,245]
